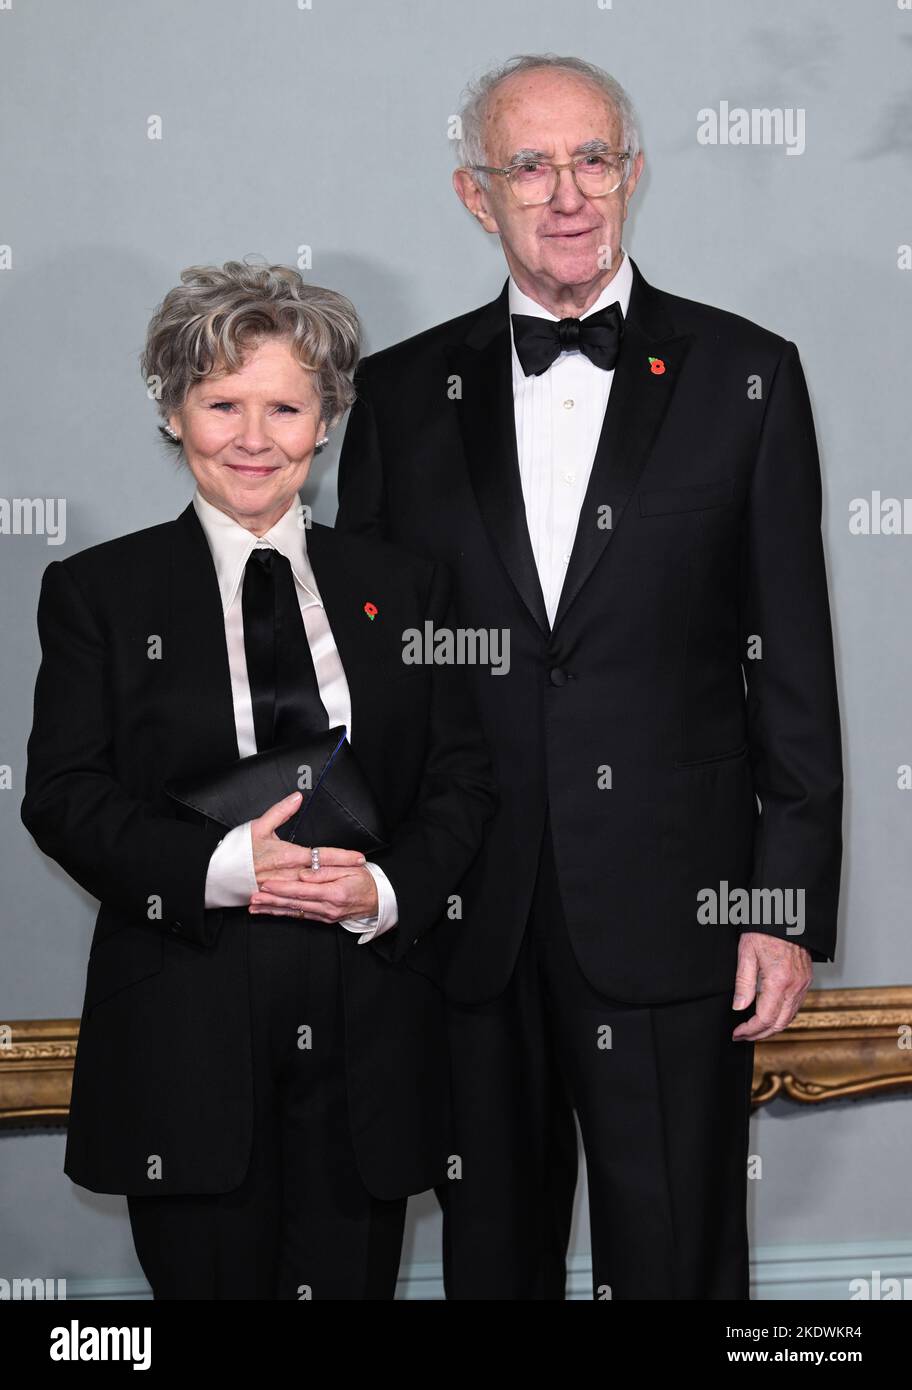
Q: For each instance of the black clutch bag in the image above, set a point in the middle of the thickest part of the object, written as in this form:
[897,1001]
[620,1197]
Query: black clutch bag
[338,809]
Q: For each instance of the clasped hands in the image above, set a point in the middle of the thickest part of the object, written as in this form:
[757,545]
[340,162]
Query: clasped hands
[287,885]
[775,973]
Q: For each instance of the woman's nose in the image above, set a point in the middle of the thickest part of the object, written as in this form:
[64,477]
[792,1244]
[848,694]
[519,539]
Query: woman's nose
[253,435]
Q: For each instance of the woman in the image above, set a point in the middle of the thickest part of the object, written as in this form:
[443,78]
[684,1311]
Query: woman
[261,1067]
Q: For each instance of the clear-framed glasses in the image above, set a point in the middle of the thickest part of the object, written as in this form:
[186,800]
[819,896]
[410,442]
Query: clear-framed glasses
[534,181]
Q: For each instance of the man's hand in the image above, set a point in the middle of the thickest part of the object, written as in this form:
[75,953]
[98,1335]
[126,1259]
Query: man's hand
[785,972]
[284,867]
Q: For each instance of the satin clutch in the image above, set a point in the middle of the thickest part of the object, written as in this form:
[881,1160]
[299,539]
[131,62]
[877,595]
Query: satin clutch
[338,808]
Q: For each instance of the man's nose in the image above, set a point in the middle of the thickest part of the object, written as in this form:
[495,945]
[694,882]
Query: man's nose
[567,197]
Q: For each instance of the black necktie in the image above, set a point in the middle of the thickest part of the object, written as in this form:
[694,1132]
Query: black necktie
[283,683]
[539,342]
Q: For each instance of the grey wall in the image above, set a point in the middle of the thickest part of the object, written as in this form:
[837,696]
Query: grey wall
[326,127]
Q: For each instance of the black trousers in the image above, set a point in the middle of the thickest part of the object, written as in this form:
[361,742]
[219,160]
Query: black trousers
[301,1224]
[662,1095]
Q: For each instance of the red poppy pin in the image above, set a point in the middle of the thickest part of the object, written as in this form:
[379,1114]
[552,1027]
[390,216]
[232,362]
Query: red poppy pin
[656,366]
[371,610]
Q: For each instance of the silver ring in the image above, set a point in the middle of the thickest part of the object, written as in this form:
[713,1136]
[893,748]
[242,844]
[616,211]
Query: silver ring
[315,859]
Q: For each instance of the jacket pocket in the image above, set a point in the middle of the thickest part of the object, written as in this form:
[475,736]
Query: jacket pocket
[738,752]
[122,958]
[687,499]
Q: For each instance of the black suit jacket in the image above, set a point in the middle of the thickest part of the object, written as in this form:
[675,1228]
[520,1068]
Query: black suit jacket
[133,690]
[714,539]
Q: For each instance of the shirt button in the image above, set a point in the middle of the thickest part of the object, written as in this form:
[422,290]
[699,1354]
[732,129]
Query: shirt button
[568,405]
[569,477]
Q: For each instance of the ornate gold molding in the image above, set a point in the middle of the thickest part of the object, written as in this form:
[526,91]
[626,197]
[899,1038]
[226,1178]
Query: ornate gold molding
[36,1071]
[843,1043]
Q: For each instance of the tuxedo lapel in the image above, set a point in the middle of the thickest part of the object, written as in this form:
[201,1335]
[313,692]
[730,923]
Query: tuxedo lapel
[636,406]
[196,648]
[639,399]
[482,366]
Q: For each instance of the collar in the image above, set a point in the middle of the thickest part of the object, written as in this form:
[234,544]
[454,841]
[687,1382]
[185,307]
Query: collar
[618,289]
[231,544]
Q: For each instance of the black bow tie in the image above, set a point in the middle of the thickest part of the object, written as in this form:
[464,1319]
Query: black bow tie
[539,342]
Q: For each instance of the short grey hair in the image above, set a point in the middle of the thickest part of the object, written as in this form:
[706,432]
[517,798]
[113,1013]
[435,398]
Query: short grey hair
[470,149]
[215,316]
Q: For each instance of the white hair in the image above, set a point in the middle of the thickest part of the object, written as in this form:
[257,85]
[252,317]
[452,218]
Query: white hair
[470,149]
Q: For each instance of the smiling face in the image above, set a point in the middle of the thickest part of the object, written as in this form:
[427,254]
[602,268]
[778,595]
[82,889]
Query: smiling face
[249,435]
[562,253]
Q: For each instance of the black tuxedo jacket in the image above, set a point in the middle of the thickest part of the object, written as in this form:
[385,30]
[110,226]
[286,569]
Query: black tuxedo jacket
[651,675]
[133,690]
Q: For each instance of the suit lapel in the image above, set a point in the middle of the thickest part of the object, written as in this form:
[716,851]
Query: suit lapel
[482,364]
[636,406]
[362,644]
[197,648]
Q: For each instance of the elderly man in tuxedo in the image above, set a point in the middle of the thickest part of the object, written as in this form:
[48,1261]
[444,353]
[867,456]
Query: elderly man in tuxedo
[628,482]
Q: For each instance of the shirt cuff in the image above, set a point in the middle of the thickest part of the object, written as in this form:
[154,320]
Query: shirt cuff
[230,878]
[387,909]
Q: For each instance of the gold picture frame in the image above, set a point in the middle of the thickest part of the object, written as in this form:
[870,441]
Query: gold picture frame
[844,1043]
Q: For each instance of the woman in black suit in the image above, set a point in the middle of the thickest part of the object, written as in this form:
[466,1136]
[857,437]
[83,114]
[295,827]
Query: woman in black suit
[262,1065]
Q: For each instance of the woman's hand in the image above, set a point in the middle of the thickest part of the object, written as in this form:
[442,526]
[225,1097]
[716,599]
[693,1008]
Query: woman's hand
[289,887]
[325,894]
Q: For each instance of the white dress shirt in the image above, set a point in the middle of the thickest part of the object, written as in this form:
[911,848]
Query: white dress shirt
[558,421]
[230,879]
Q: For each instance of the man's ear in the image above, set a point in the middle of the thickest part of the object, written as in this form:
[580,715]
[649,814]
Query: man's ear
[474,198]
[633,180]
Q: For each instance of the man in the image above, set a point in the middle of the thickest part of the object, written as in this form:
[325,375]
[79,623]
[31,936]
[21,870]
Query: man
[627,483]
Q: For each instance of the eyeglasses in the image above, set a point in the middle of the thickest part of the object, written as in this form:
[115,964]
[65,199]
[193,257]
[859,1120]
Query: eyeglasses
[534,181]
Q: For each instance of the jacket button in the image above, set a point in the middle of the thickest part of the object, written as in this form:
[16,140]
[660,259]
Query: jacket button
[176,926]
[558,676]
